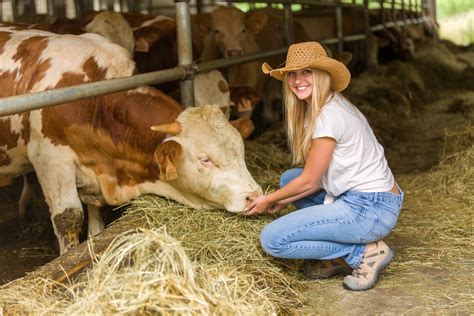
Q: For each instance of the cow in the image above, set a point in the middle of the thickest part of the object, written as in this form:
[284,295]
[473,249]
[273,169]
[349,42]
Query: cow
[111,25]
[104,146]
[230,32]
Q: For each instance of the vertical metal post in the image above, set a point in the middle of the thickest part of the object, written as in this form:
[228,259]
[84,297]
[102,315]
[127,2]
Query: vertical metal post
[83,6]
[368,34]
[394,14]
[59,8]
[338,13]
[382,14]
[403,12]
[14,10]
[410,10]
[199,6]
[288,20]
[185,50]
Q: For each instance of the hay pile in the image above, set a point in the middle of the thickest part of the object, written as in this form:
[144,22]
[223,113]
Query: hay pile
[434,237]
[143,272]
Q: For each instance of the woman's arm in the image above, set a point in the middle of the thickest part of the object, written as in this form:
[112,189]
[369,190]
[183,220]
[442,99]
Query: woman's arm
[319,157]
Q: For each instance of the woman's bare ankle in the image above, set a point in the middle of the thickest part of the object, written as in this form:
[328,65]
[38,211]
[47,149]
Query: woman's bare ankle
[370,247]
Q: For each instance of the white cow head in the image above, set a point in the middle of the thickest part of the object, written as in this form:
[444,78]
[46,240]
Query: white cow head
[204,159]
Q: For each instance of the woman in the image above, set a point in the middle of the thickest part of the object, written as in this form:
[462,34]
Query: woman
[346,196]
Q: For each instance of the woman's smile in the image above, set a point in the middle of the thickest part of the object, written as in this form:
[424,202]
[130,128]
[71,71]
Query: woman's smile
[301,82]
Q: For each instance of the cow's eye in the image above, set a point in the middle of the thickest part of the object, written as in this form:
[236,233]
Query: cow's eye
[216,31]
[243,30]
[205,161]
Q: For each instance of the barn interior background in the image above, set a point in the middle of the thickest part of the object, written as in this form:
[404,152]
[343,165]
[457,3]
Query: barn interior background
[422,111]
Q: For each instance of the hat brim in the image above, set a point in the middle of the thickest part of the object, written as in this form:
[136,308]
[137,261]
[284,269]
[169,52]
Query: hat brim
[340,75]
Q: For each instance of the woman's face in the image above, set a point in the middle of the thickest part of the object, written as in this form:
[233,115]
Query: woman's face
[301,83]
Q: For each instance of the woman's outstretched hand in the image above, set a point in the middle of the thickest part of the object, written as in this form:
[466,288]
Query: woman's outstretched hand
[262,205]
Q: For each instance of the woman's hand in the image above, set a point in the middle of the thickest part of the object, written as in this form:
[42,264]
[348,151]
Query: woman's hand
[261,205]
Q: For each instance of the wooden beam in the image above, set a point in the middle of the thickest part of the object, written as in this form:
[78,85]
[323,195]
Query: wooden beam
[74,261]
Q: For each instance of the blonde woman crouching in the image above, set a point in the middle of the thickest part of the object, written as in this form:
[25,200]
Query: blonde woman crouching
[346,197]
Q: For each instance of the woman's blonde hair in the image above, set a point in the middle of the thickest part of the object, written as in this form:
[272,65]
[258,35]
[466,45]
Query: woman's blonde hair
[300,118]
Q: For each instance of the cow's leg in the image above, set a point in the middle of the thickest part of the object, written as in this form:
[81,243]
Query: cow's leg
[95,222]
[57,176]
[25,199]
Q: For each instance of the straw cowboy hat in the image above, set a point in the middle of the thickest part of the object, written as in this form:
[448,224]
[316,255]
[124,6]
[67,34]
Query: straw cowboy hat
[311,55]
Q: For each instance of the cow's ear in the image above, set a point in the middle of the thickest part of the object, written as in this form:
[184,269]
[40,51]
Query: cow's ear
[203,22]
[145,37]
[244,126]
[141,45]
[256,21]
[168,155]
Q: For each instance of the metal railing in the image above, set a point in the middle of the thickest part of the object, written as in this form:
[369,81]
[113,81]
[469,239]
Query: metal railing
[187,68]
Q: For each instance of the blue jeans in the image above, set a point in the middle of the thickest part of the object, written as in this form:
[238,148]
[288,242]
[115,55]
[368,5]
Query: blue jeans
[329,231]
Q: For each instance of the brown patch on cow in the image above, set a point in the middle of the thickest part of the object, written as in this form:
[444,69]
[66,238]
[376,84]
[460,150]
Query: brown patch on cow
[5,180]
[97,151]
[14,26]
[25,123]
[4,38]
[32,69]
[136,19]
[168,155]
[5,159]
[7,138]
[111,134]
[92,69]
[7,82]
[61,26]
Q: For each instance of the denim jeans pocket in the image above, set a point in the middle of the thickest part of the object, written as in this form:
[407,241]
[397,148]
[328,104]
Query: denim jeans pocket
[378,231]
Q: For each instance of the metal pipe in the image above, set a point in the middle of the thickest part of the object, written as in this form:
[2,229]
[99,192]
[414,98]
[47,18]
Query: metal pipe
[368,44]
[38,100]
[185,51]
[34,101]
[288,20]
[338,13]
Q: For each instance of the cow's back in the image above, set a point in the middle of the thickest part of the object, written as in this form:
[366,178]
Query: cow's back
[33,61]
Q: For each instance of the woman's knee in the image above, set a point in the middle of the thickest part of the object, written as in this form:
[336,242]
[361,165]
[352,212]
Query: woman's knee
[289,175]
[272,242]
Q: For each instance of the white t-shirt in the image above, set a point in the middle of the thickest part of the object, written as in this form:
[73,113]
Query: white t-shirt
[358,162]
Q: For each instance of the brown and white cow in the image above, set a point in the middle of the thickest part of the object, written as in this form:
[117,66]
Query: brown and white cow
[230,32]
[110,25]
[103,146]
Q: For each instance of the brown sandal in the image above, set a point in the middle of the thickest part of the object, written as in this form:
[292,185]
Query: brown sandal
[323,269]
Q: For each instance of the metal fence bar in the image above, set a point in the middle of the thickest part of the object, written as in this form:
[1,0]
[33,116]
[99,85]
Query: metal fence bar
[185,50]
[34,101]
[338,20]
[38,100]
[288,20]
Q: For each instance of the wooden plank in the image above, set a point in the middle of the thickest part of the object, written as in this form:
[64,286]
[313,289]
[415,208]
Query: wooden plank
[68,265]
